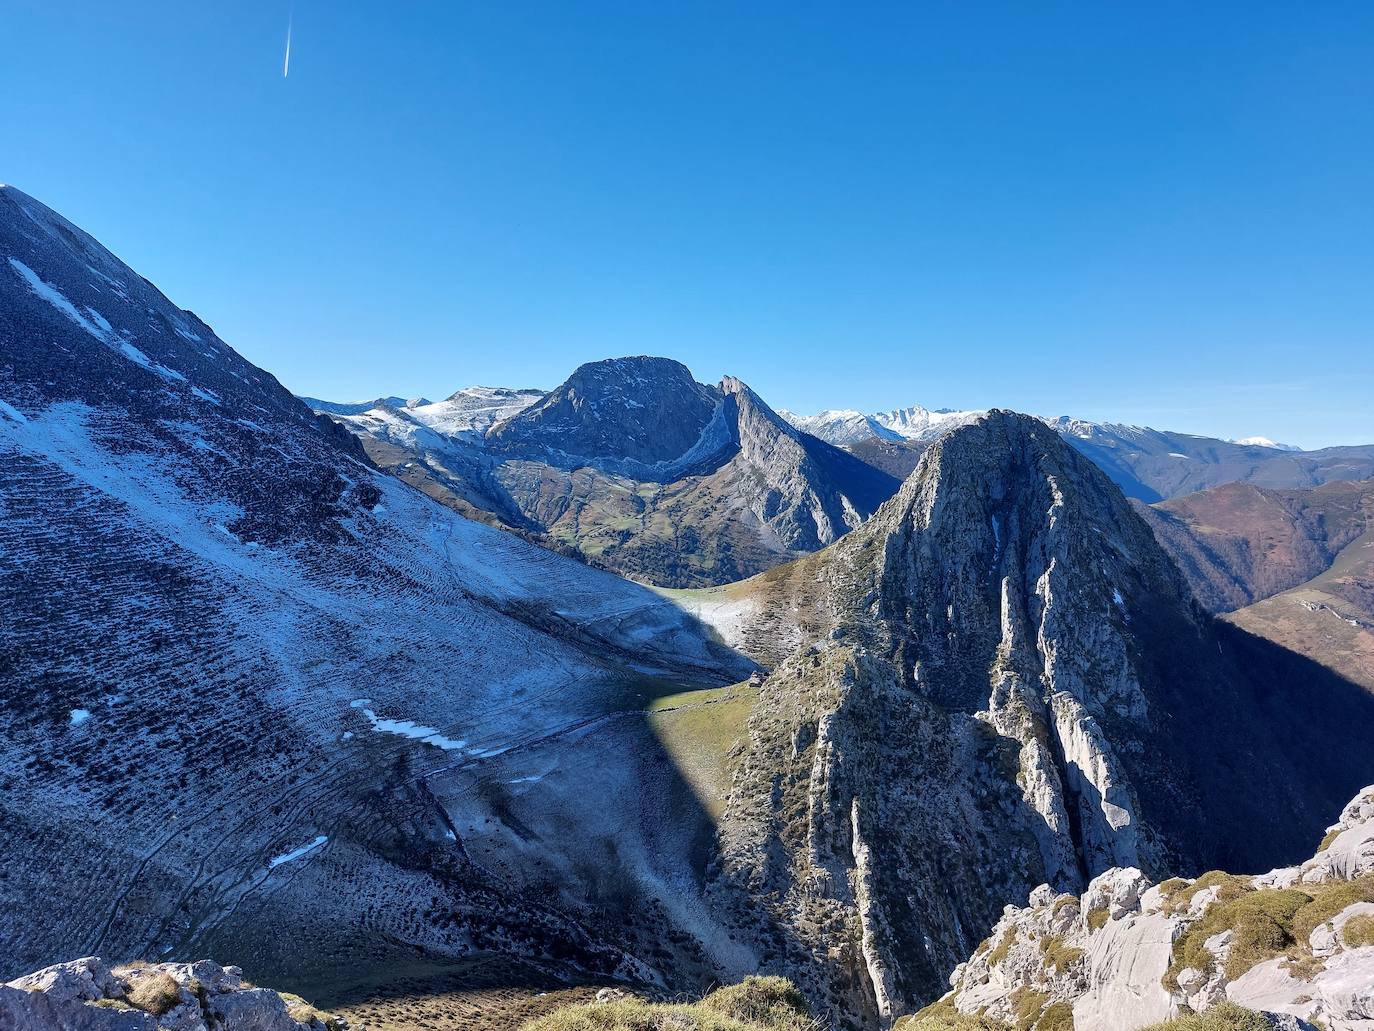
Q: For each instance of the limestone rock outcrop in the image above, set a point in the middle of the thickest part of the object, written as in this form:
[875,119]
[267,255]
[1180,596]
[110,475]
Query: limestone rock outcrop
[1297,943]
[90,994]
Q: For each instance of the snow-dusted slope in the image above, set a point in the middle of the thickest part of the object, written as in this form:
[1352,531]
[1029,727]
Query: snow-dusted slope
[463,417]
[472,411]
[235,654]
[358,407]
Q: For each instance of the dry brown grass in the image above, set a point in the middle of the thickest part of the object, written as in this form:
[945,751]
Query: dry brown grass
[1003,946]
[1059,955]
[1358,931]
[154,992]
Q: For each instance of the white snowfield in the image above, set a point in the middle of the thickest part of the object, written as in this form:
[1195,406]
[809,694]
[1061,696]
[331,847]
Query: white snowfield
[465,416]
[846,426]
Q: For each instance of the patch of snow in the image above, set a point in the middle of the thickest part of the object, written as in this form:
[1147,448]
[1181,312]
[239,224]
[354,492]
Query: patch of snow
[10,411]
[414,731]
[294,854]
[79,716]
[206,395]
[58,300]
[1175,454]
[96,325]
[139,358]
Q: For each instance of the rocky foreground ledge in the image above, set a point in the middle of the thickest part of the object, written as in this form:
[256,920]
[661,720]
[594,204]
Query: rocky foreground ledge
[1295,944]
[92,995]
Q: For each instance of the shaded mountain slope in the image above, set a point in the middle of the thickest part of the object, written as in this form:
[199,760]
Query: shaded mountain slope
[241,672]
[1329,618]
[1293,566]
[1240,543]
[1002,681]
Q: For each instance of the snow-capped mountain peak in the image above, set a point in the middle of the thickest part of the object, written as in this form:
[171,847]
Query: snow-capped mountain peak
[1266,442]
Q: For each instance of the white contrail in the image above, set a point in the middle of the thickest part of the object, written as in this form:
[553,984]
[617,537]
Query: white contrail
[286,64]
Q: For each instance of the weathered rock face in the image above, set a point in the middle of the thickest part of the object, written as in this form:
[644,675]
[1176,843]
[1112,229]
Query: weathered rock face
[92,995]
[1295,942]
[1007,683]
[639,416]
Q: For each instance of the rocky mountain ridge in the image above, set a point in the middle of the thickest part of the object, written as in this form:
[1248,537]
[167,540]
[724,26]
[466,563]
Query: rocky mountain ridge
[1001,680]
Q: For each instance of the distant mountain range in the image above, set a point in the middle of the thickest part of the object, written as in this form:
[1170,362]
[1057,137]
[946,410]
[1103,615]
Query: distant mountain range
[1146,463]
[633,465]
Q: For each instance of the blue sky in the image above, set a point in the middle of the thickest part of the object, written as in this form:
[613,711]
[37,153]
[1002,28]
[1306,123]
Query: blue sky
[1158,213]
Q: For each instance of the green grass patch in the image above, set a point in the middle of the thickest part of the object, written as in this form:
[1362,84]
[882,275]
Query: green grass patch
[1057,1017]
[1266,923]
[1181,893]
[755,1004]
[1027,1004]
[942,1016]
[1225,1016]
[1261,921]
[1328,900]
[699,730]
[1064,902]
